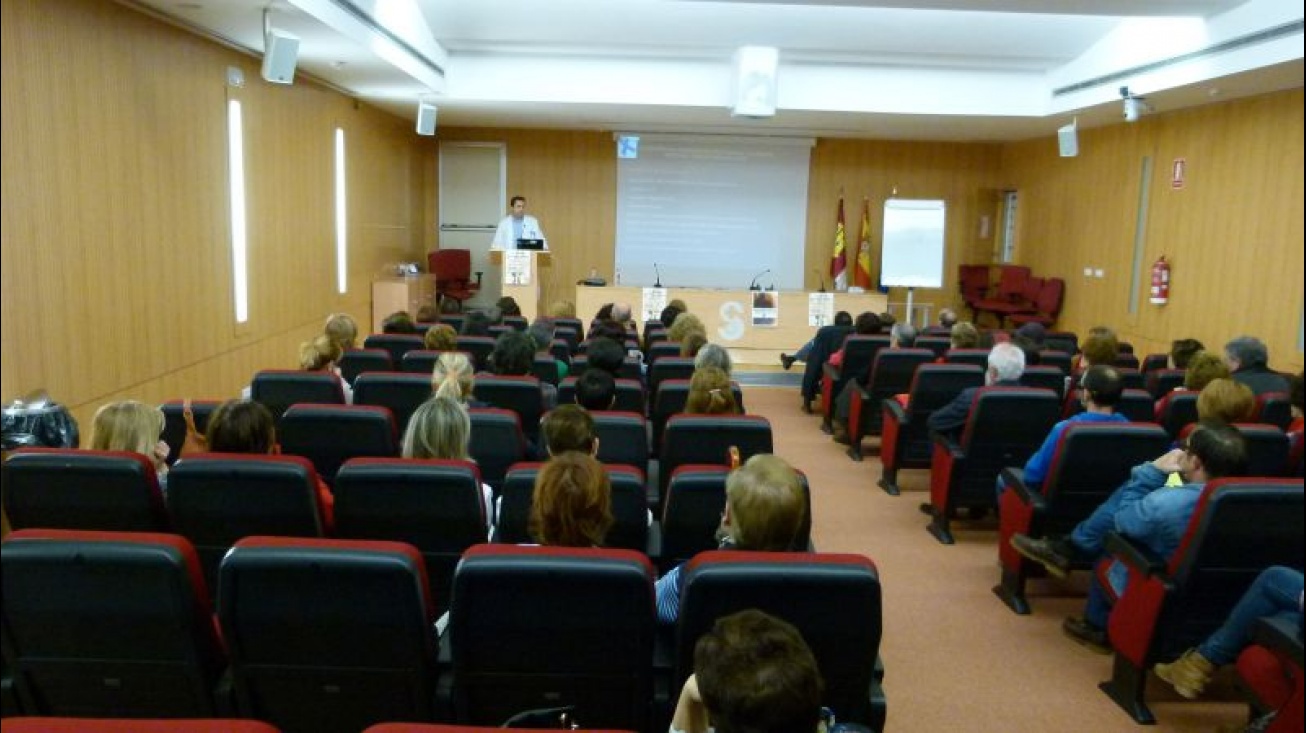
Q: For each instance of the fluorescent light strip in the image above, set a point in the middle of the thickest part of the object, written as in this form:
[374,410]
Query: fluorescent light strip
[236,175]
[342,232]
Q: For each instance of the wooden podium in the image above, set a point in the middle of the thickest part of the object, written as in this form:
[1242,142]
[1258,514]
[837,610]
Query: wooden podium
[521,283]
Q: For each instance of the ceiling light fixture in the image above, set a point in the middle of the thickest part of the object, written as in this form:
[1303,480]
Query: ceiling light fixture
[1135,105]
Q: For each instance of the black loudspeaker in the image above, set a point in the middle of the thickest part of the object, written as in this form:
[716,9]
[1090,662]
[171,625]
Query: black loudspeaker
[425,119]
[280,52]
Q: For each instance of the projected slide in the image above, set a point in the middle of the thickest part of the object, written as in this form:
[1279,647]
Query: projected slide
[912,253]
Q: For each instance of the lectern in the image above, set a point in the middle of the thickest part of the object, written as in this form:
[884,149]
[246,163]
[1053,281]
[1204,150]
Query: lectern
[519,272]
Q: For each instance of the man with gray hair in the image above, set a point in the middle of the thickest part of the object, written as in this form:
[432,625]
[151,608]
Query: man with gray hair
[714,355]
[947,319]
[1006,365]
[621,313]
[1247,357]
[902,335]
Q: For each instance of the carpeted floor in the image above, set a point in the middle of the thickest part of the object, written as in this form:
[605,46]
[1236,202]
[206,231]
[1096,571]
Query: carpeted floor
[956,658]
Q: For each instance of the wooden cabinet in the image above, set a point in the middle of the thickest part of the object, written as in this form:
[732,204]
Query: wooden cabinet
[408,293]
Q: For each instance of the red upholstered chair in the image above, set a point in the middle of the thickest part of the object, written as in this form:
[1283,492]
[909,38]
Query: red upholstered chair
[1175,410]
[329,435]
[497,443]
[1005,426]
[174,422]
[1152,362]
[1267,449]
[360,361]
[630,395]
[891,374]
[1055,358]
[109,623]
[623,438]
[630,529]
[328,635]
[278,389]
[974,357]
[708,439]
[973,280]
[670,400]
[396,344]
[400,392]
[137,725]
[669,367]
[453,274]
[905,441]
[1090,461]
[521,394]
[587,639]
[1240,527]
[69,488]
[435,728]
[1046,305]
[858,356]
[1274,408]
[1046,377]
[1163,381]
[1135,404]
[1008,300]
[1271,671]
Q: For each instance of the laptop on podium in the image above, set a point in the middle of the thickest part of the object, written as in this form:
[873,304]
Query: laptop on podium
[531,244]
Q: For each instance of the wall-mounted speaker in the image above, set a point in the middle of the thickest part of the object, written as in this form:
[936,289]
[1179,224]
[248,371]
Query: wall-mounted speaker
[280,51]
[425,118]
[1068,140]
[754,81]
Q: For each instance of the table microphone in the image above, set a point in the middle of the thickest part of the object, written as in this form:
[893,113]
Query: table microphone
[657,272]
[821,276]
[753,285]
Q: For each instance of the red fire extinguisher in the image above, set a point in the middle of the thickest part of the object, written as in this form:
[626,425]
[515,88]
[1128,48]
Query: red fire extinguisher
[1161,281]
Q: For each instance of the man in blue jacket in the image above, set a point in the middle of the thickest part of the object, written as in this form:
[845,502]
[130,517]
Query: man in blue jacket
[1145,509]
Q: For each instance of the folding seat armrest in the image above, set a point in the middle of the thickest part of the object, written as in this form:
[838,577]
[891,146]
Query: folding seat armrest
[1014,478]
[653,546]
[830,370]
[1279,635]
[947,443]
[1134,555]
[893,408]
[862,391]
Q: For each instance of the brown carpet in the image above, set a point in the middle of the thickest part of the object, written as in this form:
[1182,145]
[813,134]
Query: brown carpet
[956,658]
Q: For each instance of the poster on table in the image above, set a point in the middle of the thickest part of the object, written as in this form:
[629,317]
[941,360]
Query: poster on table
[766,308]
[517,267]
[655,301]
[820,309]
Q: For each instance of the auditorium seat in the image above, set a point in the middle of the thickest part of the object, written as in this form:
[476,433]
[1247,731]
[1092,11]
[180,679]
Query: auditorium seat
[1271,671]
[937,344]
[518,323]
[520,394]
[422,361]
[1267,449]
[329,435]
[399,392]
[1044,307]
[1054,358]
[496,443]
[974,357]
[623,438]
[663,350]
[858,356]
[69,488]
[1004,428]
[891,374]
[396,344]
[906,441]
[1067,342]
[1161,382]
[630,395]
[218,498]
[630,529]
[669,367]
[1240,527]
[1154,362]
[587,639]
[670,400]
[1274,408]
[834,600]
[278,389]
[544,367]
[328,635]
[1045,377]
[109,624]
[1135,404]
[479,347]
[707,439]
[174,423]
[1126,360]
[1089,462]
[436,506]
[1175,411]
[360,361]
[135,725]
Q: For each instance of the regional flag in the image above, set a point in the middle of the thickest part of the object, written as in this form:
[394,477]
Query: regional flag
[862,272]
[839,261]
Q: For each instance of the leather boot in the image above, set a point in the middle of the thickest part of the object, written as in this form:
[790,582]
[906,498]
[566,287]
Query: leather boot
[1189,674]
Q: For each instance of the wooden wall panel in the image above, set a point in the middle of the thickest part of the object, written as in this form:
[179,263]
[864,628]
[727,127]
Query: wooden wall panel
[116,261]
[1233,233]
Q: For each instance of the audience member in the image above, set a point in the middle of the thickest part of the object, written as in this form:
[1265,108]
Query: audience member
[1033,331]
[572,502]
[1182,352]
[132,426]
[964,335]
[765,508]
[596,390]
[867,324]
[1203,368]
[507,306]
[692,344]
[475,323]
[887,319]
[683,325]
[901,335]
[714,355]
[341,328]
[947,319]
[569,428]
[440,337]
[621,314]
[398,322]
[668,316]
[1225,402]
[453,377]
[604,313]
[1297,401]
[753,673]
[1101,346]
[1156,519]
[1006,364]
[1276,593]
[321,355]
[245,426]
[428,313]
[441,428]
[842,319]
[541,333]
[678,304]
[1030,349]
[710,393]
[606,354]
[562,309]
[609,329]
[514,356]
[1246,357]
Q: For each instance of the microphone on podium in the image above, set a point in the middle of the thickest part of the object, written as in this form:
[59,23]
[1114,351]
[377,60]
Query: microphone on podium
[821,276]
[658,273]
[753,285]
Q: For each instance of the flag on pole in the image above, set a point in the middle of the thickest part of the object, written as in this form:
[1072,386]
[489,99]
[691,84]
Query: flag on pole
[862,271]
[839,261]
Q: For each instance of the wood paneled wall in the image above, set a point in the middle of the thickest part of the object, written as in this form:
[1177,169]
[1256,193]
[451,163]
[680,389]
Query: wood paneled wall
[1233,234]
[116,257]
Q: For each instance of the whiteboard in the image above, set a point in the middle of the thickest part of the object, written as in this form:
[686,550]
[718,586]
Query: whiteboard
[911,255]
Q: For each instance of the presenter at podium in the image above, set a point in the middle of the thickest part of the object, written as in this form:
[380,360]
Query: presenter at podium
[519,228]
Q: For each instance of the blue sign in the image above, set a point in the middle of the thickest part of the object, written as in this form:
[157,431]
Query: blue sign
[628,146]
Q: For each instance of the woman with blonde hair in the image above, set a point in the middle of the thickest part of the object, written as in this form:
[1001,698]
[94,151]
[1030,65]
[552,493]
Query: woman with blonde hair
[341,328]
[321,355]
[685,324]
[132,426]
[572,503]
[562,309]
[441,428]
[1203,368]
[1225,402]
[454,377]
[710,393]
[441,337]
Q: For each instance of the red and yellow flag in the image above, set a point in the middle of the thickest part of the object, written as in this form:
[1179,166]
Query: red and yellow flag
[839,261]
[862,271]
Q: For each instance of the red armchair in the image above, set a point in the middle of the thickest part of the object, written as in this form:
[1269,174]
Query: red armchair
[453,271]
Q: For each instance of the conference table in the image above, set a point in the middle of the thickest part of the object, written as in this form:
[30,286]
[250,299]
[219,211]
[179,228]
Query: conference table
[753,337]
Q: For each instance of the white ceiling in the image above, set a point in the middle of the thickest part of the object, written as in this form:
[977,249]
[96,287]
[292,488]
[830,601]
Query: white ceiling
[890,69]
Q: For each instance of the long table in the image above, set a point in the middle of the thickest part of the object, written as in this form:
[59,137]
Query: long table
[728,316]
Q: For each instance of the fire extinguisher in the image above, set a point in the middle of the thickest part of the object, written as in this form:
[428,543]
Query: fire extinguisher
[1161,281]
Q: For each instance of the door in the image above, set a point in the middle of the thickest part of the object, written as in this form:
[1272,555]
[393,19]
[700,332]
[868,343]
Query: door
[473,193]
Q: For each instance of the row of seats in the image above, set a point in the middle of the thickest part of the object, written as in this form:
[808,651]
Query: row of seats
[101,623]
[218,725]
[1019,296]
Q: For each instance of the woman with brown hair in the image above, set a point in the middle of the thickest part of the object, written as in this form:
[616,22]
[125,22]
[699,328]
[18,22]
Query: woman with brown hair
[710,393]
[572,505]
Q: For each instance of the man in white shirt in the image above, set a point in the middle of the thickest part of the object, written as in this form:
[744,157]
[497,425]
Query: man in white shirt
[517,225]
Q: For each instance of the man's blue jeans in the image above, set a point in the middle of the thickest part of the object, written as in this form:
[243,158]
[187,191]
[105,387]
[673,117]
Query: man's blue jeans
[1275,592]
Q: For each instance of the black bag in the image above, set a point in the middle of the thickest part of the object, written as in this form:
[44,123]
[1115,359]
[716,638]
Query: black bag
[37,424]
[563,718]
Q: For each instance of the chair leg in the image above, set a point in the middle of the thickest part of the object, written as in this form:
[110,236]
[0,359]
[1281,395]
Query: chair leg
[1012,590]
[939,525]
[889,482]
[855,449]
[1126,688]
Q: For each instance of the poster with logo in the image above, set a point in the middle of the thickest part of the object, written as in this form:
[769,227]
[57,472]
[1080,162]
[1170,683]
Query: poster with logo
[766,308]
[517,267]
[655,301]
[820,309]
